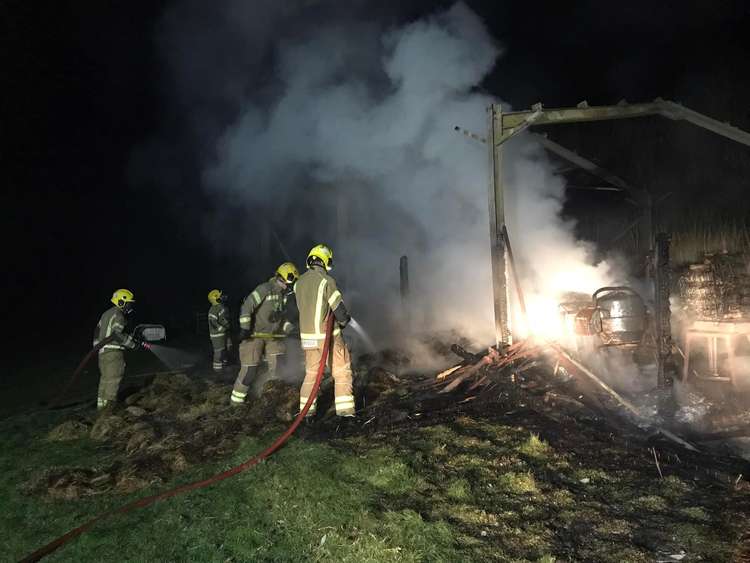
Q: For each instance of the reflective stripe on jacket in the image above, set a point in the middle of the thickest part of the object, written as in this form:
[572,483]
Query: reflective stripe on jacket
[112,322]
[262,312]
[316,294]
[218,320]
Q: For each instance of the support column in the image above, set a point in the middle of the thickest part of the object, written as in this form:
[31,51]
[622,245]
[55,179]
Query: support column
[646,225]
[497,223]
[662,320]
[404,283]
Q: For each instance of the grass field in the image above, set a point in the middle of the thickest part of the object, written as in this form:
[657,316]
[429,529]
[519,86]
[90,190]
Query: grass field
[469,489]
[497,483]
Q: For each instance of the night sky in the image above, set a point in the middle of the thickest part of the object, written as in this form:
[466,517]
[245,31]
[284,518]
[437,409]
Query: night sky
[84,92]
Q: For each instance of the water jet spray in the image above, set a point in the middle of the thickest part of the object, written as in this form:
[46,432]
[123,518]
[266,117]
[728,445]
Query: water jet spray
[362,333]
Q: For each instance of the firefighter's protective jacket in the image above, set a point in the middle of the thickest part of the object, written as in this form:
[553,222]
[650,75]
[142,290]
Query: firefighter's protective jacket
[112,323]
[263,311]
[218,320]
[317,295]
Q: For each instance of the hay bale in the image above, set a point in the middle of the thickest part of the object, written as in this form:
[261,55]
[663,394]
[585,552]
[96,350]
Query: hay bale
[135,398]
[217,394]
[224,447]
[129,481]
[176,381]
[69,430]
[715,289]
[378,381]
[140,439]
[71,484]
[168,393]
[176,461]
[282,400]
[382,378]
[136,412]
[107,426]
[166,400]
[195,412]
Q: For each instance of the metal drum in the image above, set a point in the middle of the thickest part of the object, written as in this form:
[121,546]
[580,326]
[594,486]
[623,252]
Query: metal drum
[620,316]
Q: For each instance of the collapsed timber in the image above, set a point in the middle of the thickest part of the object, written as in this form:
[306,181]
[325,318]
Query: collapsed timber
[545,379]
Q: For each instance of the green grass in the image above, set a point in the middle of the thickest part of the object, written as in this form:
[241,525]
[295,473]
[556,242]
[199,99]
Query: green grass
[535,447]
[469,490]
[311,502]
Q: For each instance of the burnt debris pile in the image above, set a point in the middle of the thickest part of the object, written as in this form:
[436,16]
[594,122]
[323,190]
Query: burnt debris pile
[178,421]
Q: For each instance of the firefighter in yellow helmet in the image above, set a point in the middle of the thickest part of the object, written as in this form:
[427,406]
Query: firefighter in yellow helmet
[218,327]
[317,295]
[263,328]
[111,326]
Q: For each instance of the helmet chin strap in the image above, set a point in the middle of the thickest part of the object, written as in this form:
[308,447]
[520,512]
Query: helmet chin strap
[317,262]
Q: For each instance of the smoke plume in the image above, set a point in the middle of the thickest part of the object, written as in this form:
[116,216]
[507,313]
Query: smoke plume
[340,130]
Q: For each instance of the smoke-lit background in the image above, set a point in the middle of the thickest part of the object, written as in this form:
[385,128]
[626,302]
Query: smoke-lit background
[173,147]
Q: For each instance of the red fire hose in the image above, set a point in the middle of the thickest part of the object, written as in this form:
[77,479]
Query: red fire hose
[251,462]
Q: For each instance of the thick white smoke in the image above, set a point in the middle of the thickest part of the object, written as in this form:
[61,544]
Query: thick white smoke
[355,147]
[383,135]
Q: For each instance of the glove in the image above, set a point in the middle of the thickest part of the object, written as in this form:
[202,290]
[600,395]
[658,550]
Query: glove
[244,334]
[139,343]
[288,328]
[345,321]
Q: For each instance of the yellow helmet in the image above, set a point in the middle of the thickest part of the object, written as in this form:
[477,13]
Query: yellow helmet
[323,253]
[121,297]
[214,296]
[288,272]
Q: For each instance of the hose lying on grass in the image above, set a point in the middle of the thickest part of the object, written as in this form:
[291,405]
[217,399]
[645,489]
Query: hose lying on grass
[251,462]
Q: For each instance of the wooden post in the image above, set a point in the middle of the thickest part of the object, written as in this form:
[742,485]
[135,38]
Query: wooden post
[662,312]
[404,279]
[647,224]
[497,223]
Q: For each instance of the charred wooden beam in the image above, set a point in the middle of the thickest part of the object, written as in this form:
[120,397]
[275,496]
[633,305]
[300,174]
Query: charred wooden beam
[662,312]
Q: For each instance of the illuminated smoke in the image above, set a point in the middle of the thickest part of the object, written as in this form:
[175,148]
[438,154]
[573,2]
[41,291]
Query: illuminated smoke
[340,103]
[551,260]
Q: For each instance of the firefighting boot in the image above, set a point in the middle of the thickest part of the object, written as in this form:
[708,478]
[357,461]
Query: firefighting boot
[242,384]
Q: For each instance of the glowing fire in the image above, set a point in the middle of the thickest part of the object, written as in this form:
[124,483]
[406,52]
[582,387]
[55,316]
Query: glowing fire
[543,305]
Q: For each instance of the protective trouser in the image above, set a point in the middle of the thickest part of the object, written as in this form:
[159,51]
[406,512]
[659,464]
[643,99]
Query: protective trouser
[252,351]
[340,365]
[112,369]
[219,345]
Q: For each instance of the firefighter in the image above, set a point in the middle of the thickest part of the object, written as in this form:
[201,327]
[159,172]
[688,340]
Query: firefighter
[263,328]
[317,295]
[218,327]
[111,326]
